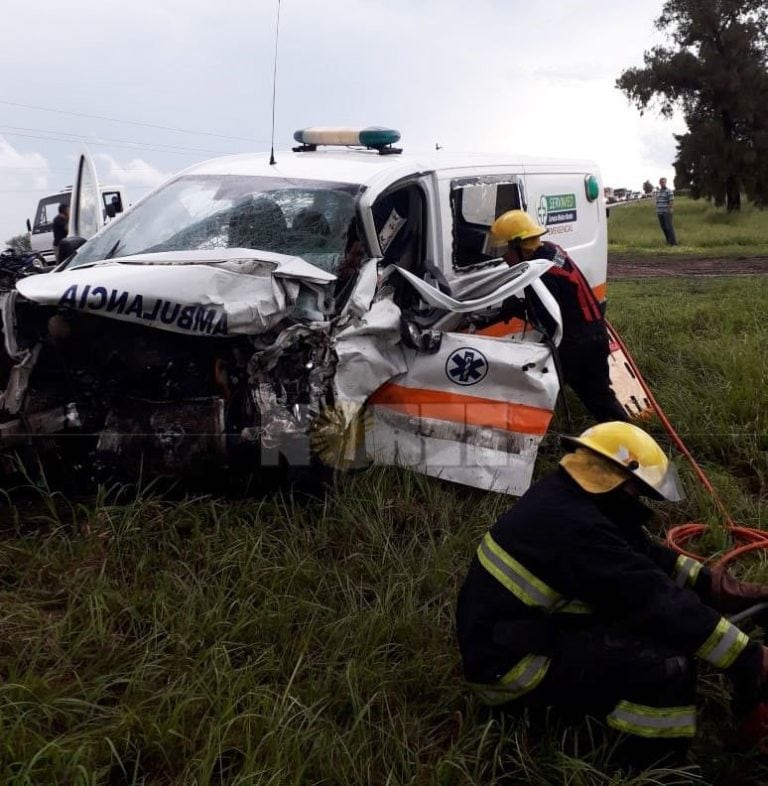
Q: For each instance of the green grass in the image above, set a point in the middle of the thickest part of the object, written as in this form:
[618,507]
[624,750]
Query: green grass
[702,231]
[206,642]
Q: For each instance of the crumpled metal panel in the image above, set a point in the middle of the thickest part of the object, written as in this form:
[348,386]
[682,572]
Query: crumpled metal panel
[369,353]
[228,298]
[290,382]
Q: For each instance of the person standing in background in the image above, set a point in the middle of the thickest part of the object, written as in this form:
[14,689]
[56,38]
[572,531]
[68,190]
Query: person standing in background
[60,228]
[664,206]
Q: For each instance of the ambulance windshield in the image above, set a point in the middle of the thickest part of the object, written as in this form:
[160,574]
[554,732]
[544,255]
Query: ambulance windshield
[305,218]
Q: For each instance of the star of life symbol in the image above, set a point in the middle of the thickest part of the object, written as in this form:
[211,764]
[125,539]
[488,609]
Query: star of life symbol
[542,211]
[466,366]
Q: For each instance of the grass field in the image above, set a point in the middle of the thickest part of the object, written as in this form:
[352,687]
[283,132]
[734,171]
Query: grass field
[702,231]
[266,642]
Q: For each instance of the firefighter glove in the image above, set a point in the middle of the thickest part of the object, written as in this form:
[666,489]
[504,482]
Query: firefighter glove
[730,596]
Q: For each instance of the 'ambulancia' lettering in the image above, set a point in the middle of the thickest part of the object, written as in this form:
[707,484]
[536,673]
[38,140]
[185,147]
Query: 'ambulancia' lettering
[69,298]
[101,293]
[117,303]
[195,319]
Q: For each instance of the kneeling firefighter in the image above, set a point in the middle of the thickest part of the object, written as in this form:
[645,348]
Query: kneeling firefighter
[569,604]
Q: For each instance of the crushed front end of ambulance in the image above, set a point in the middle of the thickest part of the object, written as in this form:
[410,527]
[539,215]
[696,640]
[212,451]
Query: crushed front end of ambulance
[231,323]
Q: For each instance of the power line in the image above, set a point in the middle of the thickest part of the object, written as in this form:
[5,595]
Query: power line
[84,138]
[144,148]
[132,122]
[44,169]
[51,190]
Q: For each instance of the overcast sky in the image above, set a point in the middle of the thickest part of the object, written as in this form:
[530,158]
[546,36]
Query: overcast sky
[154,86]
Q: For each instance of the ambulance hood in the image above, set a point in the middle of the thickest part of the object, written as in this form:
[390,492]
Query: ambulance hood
[215,293]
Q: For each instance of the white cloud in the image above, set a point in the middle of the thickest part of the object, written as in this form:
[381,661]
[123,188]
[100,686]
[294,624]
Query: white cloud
[24,178]
[22,169]
[135,172]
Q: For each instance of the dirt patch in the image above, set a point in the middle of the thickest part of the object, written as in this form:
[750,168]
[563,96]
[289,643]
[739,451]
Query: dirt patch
[618,269]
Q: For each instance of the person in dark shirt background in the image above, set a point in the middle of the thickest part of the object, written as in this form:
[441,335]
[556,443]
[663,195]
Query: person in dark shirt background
[60,228]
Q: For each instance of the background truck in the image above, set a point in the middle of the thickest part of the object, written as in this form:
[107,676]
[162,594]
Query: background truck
[41,230]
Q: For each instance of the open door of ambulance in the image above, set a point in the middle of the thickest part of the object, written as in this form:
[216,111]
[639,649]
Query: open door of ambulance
[475,410]
[86,210]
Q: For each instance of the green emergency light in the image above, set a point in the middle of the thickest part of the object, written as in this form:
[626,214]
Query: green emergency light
[591,188]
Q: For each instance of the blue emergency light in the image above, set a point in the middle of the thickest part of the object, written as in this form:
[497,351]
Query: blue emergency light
[373,137]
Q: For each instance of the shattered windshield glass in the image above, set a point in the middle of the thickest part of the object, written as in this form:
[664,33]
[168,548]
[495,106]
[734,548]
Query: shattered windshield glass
[304,218]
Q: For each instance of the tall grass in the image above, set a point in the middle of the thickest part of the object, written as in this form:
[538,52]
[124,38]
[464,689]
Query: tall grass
[702,231]
[273,641]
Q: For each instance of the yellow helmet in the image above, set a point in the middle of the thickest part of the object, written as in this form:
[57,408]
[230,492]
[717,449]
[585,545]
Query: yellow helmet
[514,225]
[625,451]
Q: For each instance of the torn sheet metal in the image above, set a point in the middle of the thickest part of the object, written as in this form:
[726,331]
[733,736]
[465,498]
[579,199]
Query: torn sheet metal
[451,415]
[228,297]
[52,421]
[289,381]
[363,292]
[369,353]
[12,398]
[490,288]
[8,321]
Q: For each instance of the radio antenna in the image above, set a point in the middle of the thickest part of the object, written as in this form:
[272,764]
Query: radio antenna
[274,87]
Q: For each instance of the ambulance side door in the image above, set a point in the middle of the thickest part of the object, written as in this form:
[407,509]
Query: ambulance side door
[474,409]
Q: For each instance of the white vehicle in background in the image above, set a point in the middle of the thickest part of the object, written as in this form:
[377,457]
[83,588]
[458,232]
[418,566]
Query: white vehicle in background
[220,323]
[109,203]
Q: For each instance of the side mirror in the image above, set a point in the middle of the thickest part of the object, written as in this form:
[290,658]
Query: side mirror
[69,245]
[113,204]
[29,226]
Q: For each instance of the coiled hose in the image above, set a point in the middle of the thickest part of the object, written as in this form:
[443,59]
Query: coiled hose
[746,538]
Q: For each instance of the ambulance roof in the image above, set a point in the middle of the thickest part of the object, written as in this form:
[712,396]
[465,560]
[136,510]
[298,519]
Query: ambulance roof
[369,168]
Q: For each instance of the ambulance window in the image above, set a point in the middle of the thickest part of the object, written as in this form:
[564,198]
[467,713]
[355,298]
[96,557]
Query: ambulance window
[476,205]
[399,218]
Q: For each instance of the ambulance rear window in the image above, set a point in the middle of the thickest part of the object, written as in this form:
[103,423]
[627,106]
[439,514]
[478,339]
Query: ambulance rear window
[476,205]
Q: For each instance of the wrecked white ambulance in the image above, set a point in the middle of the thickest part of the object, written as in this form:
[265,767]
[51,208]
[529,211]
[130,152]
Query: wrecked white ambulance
[338,306]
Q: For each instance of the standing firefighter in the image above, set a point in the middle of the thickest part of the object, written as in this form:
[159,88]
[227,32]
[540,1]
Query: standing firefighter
[568,604]
[584,348]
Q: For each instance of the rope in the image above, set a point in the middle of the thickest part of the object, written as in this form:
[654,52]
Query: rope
[749,539]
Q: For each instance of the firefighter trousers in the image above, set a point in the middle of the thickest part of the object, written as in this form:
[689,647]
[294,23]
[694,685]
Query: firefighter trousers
[585,371]
[638,686]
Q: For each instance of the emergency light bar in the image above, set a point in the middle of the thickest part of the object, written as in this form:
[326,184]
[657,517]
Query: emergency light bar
[373,137]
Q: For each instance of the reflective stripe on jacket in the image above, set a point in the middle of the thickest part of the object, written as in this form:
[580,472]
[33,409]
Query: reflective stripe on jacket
[561,549]
[522,583]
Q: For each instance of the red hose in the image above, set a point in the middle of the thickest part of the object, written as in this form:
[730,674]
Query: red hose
[750,539]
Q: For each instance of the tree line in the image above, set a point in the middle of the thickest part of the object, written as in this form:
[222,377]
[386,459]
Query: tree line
[715,70]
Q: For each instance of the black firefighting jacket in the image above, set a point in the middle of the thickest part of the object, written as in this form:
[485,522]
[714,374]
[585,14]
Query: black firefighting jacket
[564,557]
[581,311]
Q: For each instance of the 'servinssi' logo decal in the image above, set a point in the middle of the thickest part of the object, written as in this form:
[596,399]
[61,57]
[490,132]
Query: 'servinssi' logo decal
[558,209]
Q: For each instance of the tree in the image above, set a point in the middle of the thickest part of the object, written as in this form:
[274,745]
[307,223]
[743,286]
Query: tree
[647,187]
[716,72]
